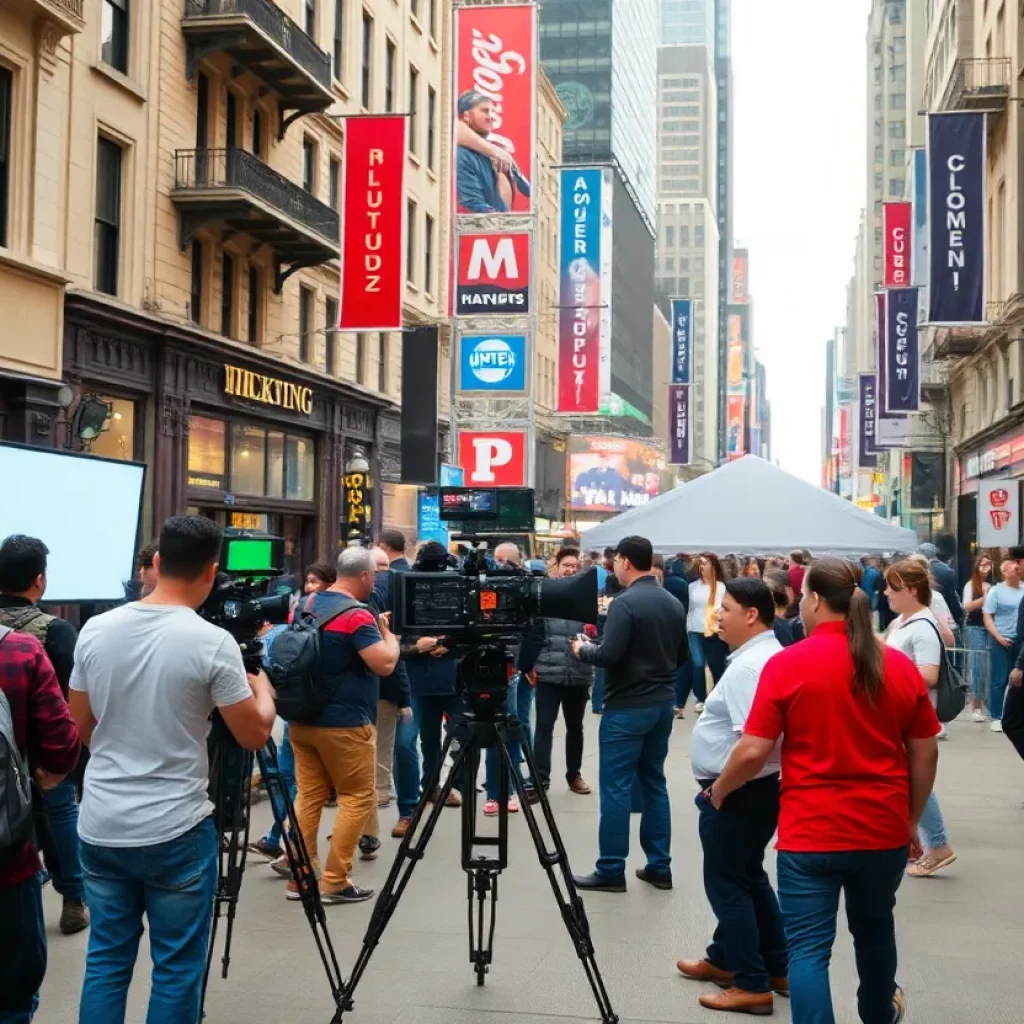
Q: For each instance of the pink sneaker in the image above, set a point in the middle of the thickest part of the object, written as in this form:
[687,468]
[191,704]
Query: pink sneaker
[513,806]
[491,808]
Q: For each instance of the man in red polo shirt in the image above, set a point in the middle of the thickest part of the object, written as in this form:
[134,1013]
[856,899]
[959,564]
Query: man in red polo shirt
[858,762]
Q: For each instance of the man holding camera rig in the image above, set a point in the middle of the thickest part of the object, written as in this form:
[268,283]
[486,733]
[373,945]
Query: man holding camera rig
[147,677]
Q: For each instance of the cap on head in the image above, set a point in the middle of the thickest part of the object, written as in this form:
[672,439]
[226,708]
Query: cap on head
[928,550]
[470,99]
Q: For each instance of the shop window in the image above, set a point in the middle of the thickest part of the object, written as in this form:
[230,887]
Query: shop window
[275,464]
[300,468]
[206,444]
[118,440]
[248,459]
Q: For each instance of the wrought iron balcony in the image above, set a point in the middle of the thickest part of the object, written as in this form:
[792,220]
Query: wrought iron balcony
[261,39]
[63,16]
[980,83]
[235,190]
[934,379]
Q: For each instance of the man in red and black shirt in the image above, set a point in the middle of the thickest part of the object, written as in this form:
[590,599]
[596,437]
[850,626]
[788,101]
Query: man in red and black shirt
[48,740]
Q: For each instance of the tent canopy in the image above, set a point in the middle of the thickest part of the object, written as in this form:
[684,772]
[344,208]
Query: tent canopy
[753,507]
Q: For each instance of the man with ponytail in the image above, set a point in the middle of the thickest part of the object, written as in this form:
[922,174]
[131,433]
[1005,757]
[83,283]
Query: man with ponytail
[858,762]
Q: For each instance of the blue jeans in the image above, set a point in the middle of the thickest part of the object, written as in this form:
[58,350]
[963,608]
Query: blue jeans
[428,723]
[23,941]
[286,762]
[493,758]
[406,766]
[809,887]
[976,641]
[61,847]
[1000,663]
[173,884]
[933,828]
[633,744]
[524,709]
[696,664]
[597,696]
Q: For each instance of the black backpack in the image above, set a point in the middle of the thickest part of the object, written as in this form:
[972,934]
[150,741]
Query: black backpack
[302,691]
[951,689]
[15,785]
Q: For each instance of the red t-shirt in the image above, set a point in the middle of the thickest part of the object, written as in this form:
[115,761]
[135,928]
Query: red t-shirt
[845,784]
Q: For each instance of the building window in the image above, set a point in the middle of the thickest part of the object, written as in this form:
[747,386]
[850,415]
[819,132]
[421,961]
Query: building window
[360,358]
[335,182]
[698,235]
[431,126]
[114,34]
[898,157]
[684,235]
[306,298]
[414,89]
[382,365]
[207,439]
[227,296]
[367,58]
[257,132]
[897,130]
[255,301]
[309,164]
[670,237]
[108,215]
[897,100]
[339,37]
[311,18]
[231,119]
[196,295]
[432,18]
[896,187]
[248,459]
[414,8]
[410,241]
[390,53]
[428,254]
[331,327]
[6,134]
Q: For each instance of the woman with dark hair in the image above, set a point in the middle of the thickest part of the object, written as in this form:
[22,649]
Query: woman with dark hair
[751,569]
[787,630]
[975,634]
[706,593]
[858,762]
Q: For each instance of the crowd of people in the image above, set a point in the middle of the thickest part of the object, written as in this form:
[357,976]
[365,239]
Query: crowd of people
[813,683]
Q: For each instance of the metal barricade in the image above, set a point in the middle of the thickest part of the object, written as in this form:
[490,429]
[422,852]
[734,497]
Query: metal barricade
[975,665]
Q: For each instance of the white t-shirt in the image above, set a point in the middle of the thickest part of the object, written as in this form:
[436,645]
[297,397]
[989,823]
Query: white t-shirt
[940,610]
[969,591]
[727,707]
[154,674]
[700,593]
[918,640]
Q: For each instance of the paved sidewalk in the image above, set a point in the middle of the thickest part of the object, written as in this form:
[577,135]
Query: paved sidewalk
[960,934]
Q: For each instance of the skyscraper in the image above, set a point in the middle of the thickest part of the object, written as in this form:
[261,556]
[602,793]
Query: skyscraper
[690,22]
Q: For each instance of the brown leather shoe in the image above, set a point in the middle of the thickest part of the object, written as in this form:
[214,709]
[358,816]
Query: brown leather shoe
[780,986]
[74,917]
[703,970]
[579,786]
[402,826]
[736,1000]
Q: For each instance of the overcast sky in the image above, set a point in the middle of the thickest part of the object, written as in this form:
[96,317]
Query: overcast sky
[799,166]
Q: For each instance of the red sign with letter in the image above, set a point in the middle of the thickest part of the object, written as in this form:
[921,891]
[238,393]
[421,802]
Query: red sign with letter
[493,274]
[896,232]
[493,458]
[373,196]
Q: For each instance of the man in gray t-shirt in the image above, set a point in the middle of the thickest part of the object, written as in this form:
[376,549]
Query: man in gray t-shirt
[147,676]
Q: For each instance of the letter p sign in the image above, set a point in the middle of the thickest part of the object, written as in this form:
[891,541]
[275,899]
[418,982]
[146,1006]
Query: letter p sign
[495,458]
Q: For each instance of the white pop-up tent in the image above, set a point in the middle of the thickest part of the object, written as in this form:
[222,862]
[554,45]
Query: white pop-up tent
[753,507]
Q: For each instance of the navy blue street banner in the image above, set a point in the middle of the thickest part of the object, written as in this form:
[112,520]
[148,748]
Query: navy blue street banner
[682,340]
[867,452]
[679,425]
[902,353]
[956,218]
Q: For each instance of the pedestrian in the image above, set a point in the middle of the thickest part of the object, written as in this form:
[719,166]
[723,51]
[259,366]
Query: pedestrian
[798,562]
[145,569]
[561,684]
[612,587]
[788,631]
[975,635]
[1000,615]
[941,555]
[34,717]
[705,598]
[916,632]
[678,586]
[748,951]
[858,762]
[147,677]
[23,564]
[751,569]
[871,581]
[1013,704]
[644,643]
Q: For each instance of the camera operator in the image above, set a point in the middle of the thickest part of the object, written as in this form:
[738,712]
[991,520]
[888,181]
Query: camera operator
[147,677]
[644,643]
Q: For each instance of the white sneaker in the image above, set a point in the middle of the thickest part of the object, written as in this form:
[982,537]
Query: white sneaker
[977,715]
[943,734]
[698,707]
[996,726]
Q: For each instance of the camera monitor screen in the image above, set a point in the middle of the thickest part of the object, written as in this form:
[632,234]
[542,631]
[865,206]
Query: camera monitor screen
[249,554]
[488,509]
[85,509]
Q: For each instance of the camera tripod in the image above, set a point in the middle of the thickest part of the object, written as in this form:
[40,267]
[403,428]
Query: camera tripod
[467,737]
[230,791]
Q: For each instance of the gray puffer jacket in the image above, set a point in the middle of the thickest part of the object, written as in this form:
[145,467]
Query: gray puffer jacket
[555,664]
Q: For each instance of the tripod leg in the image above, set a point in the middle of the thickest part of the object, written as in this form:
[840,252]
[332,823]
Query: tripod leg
[570,904]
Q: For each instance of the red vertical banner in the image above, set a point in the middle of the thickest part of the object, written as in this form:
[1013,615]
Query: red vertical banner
[372,250]
[898,240]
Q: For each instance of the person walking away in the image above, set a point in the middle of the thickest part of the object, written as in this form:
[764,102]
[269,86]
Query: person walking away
[941,556]
[145,569]
[561,682]
[147,677]
[748,951]
[705,593]
[644,643]
[23,563]
[975,634]
[916,633]
[1000,615]
[798,562]
[36,735]
[787,631]
[678,586]
[871,581]
[858,762]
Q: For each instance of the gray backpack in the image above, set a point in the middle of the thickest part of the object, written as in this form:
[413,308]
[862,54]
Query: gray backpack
[15,788]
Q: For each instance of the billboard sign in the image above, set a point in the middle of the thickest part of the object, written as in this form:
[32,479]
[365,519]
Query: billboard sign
[493,274]
[494,457]
[372,250]
[495,95]
[428,518]
[492,364]
[613,474]
[737,354]
[734,426]
[896,234]
[682,341]
[740,273]
[679,424]
[584,320]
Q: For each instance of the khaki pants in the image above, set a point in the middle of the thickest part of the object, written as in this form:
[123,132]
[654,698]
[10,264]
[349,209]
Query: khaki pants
[387,722]
[343,759]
